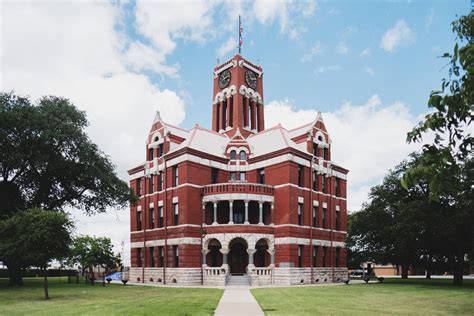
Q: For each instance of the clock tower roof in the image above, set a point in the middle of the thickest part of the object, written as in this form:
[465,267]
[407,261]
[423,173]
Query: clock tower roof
[238,97]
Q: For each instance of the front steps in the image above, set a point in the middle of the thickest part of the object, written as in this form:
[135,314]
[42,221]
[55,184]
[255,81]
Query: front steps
[238,280]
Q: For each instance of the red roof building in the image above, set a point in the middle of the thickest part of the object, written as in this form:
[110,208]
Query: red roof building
[268,205]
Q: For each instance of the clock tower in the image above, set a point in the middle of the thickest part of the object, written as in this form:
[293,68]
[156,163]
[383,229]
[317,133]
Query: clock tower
[238,97]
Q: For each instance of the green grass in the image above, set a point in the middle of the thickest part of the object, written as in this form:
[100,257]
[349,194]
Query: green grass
[394,296]
[114,299]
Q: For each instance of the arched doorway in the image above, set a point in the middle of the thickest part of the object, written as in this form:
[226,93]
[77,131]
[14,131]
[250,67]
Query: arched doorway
[238,256]
[261,258]
[214,256]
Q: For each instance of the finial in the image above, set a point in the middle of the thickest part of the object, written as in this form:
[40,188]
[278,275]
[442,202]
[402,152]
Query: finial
[218,61]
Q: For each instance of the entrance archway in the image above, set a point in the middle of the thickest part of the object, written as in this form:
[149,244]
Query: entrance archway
[238,256]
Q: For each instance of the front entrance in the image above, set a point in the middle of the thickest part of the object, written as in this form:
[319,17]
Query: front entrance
[238,257]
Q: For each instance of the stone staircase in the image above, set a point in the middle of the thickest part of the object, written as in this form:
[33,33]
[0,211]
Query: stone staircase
[238,280]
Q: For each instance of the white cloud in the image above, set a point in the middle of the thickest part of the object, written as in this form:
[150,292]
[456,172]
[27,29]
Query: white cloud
[429,18]
[368,139]
[396,36]
[322,69]
[365,53]
[370,71]
[227,47]
[268,11]
[315,50]
[73,50]
[342,48]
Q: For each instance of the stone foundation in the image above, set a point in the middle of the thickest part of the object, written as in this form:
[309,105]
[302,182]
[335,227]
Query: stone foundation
[278,276]
[174,276]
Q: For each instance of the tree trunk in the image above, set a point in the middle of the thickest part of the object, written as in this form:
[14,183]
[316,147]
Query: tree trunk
[458,271]
[428,267]
[405,271]
[14,275]
[45,276]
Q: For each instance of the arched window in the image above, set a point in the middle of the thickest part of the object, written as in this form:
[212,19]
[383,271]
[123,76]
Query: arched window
[243,155]
[233,154]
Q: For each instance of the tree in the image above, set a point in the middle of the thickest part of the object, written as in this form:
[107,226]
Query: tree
[447,161]
[90,252]
[47,161]
[393,225]
[34,237]
[452,113]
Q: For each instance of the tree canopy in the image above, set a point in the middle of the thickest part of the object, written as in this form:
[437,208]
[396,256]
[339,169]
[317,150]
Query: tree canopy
[48,161]
[452,112]
[34,237]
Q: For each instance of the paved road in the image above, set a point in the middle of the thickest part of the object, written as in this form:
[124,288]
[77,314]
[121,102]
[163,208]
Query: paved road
[238,301]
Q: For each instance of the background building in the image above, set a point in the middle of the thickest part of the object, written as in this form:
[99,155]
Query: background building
[266,205]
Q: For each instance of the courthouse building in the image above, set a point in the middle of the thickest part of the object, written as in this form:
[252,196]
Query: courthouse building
[238,202]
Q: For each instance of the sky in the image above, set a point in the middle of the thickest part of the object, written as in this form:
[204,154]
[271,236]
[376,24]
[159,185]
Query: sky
[368,66]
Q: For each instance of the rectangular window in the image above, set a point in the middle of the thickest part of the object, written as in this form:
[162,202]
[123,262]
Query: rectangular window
[160,219]
[214,175]
[160,150]
[315,149]
[160,181]
[139,257]
[151,184]
[261,175]
[300,176]
[139,187]
[338,256]
[139,220]
[242,176]
[300,256]
[338,187]
[150,154]
[315,216]
[324,188]
[326,153]
[338,220]
[175,211]
[325,254]
[152,218]
[233,176]
[152,257]
[315,256]
[315,181]
[325,213]
[176,256]
[175,176]
[300,214]
[161,255]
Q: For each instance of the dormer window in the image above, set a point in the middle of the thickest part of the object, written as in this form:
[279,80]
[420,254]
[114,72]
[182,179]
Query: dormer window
[233,155]
[242,155]
[156,139]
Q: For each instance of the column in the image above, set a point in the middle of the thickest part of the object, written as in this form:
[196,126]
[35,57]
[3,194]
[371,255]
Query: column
[204,256]
[231,213]
[272,256]
[252,115]
[260,213]
[261,121]
[246,212]
[257,116]
[251,253]
[224,252]
[272,214]
[221,116]
[215,214]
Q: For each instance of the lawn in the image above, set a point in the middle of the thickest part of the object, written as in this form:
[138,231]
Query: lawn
[394,296]
[80,299]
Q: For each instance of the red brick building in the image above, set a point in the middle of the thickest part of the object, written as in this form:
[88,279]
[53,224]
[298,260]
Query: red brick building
[268,204]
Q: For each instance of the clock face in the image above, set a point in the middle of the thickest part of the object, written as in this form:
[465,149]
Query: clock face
[224,79]
[251,79]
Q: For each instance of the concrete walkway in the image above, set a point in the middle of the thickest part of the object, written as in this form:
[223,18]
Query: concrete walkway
[238,301]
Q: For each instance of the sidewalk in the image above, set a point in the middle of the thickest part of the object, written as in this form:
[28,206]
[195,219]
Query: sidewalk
[238,301]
